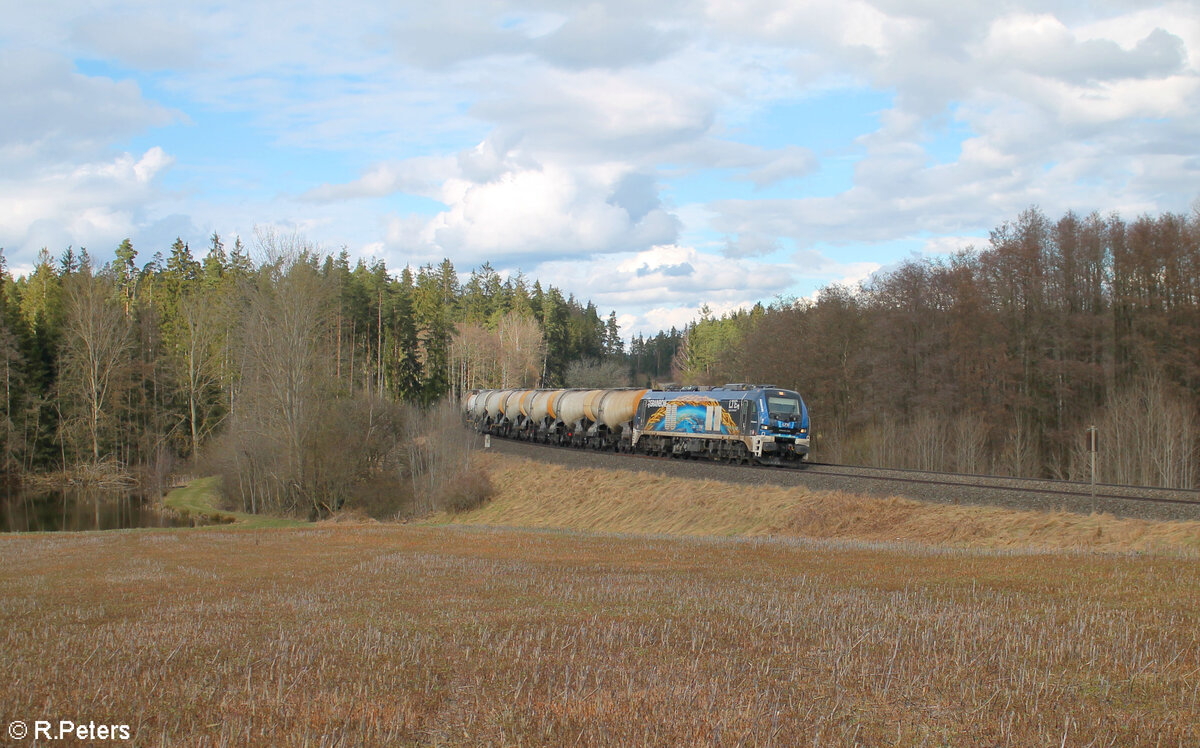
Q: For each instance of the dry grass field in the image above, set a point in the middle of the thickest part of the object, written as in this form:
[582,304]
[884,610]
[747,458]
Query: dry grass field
[538,494]
[391,635]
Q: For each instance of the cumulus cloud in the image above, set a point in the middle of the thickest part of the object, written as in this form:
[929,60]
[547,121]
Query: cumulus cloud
[546,211]
[594,35]
[439,38]
[93,204]
[786,163]
[750,243]
[600,113]
[1059,115]
[53,114]
[1044,46]
[418,176]
[667,277]
[669,284]
[594,142]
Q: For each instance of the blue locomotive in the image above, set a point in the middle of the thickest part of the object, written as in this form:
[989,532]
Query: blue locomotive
[737,422]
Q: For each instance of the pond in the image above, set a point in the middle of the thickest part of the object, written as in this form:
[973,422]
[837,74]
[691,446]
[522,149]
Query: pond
[79,508]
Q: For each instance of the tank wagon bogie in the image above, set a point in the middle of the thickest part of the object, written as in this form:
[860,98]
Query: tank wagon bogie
[735,423]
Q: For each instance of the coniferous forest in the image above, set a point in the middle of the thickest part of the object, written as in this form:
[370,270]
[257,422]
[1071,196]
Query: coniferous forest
[293,373]
[300,377]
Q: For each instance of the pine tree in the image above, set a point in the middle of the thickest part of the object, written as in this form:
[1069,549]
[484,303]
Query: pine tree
[408,372]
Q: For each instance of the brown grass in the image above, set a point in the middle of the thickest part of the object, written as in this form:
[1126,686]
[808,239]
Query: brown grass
[383,635]
[535,494]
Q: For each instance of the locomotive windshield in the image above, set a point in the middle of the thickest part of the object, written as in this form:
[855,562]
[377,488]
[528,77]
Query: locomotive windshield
[783,408]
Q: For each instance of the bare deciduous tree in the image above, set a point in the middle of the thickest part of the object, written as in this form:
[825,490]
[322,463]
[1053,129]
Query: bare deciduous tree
[284,368]
[597,373]
[521,350]
[97,344]
[510,356]
[200,324]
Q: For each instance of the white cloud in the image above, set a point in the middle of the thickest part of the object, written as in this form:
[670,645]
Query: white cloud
[599,113]
[849,25]
[94,204]
[146,39]
[948,245]
[53,114]
[595,36]
[1044,46]
[667,277]
[589,120]
[547,210]
[418,176]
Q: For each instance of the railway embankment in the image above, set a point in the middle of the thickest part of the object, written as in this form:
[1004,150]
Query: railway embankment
[546,493]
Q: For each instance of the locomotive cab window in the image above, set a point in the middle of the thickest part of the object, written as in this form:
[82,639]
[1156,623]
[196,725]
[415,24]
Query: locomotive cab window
[783,408]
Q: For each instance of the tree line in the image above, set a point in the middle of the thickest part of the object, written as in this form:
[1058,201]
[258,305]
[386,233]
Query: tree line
[995,359]
[301,375]
[295,372]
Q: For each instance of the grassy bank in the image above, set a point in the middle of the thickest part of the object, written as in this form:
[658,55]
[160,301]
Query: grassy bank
[410,635]
[200,499]
[536,494]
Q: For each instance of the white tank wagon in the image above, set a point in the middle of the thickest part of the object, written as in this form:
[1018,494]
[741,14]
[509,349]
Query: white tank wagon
[478,406]
[572,422]
[595,418]
[541,405]
[591,405]
[607,415]
[510,412]
[526,401]
[538,412]
[516,409]
[511,406]
[468,401]
[617,408]
[495,405]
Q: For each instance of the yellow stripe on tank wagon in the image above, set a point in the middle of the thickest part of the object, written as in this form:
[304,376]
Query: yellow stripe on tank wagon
[618,407]
[591,404]
[526,399]
[509,406]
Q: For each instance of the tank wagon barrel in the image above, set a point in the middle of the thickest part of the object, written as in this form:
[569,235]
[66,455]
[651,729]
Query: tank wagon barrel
[571,407]
[495,403]
[541,405]
[591,404]
[512,405]
[469,401]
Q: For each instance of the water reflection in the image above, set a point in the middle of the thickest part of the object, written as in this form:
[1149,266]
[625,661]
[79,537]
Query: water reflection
[78,508]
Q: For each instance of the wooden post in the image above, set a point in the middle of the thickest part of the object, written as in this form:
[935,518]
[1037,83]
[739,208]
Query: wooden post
[1092,443]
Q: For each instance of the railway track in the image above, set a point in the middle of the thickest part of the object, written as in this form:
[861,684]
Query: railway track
[950,488]
[1048,487]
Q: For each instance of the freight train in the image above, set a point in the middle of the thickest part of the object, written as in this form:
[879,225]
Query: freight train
[737,423]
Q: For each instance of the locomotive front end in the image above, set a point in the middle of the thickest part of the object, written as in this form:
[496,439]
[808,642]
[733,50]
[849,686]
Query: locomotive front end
[783,424]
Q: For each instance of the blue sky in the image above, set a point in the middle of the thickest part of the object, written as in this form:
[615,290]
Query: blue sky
[653,157]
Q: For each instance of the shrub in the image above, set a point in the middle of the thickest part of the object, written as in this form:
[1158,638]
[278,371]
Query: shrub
[465,491]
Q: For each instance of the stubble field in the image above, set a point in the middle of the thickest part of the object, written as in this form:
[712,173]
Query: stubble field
[373,635]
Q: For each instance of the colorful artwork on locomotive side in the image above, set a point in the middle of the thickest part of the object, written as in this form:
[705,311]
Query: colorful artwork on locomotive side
[691,415]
